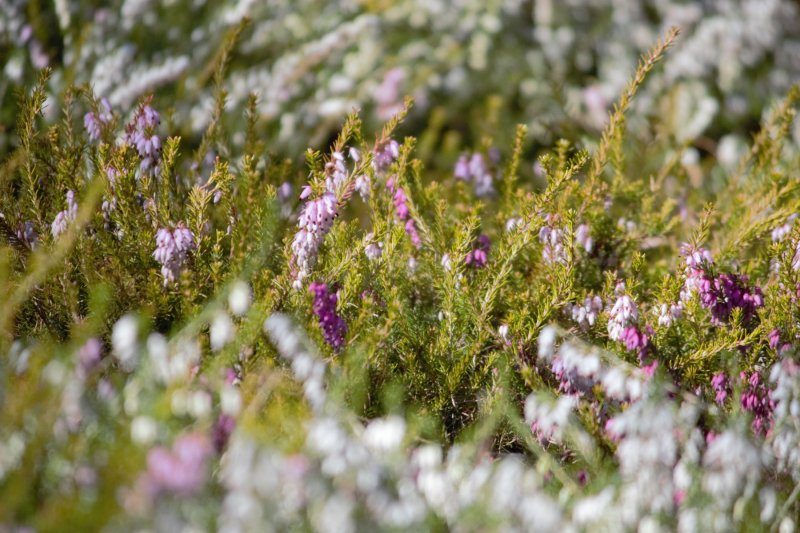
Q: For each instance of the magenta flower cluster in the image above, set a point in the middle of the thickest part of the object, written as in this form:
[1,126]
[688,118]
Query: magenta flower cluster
[172,248]
[399,199]
[95,122]
[757,399]
[334,328]
[722,293]
[141,133]
[479,255]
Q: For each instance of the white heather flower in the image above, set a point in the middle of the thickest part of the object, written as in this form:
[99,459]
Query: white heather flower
[586,315]
[731,467]
[314,223]
[124,341]
[362,186]
[503,331]
[240,298]
[63,218]
[583,238]
[547,342]
[622,314]
[667,313]
[446,262]
[230,400]
[221,331]
[143,430]
[513,223]
[385,435]
[373,250]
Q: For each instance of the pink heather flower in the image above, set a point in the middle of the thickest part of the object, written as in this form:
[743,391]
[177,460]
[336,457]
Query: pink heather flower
[479,255]
[384,155]
[334,328]
[553,248]
[94,122]
[141,133]
[181,470]
[172,248]
[634,339]
[314,223]
[64,218]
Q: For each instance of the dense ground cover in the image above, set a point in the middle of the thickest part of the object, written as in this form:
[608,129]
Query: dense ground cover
[229,300]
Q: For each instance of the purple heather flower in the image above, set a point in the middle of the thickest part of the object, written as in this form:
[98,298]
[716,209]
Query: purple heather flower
[141,133]
[172,248]
[719,383]
[63,218]
[363,186]
[94,122]
[182,469]
[334,328]
[384,155]
[479,255]
[314,223]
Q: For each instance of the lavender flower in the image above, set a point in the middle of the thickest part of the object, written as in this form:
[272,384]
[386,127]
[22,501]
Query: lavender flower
[334,328]
[94,122]
[63,218]
[314,223]
[172,248]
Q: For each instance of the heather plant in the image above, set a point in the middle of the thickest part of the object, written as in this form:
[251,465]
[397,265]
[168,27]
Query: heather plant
[210,333]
